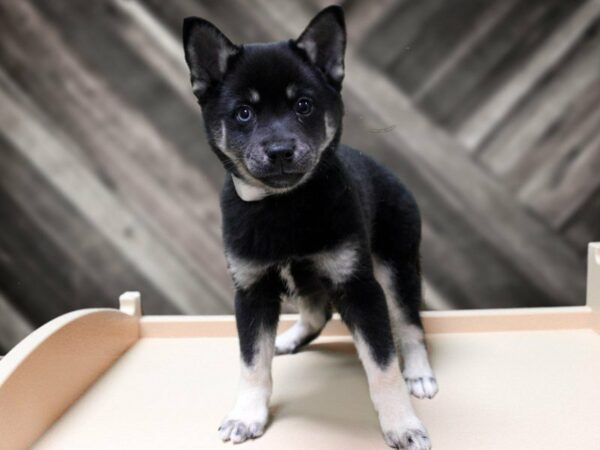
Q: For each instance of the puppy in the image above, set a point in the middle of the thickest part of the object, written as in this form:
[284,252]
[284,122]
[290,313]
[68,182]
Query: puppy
[304,216]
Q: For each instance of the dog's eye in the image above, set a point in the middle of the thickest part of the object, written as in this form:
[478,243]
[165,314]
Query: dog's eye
[243,114]
[304,106]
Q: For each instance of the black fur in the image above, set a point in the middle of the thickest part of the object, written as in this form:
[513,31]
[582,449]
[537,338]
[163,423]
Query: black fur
[257,309]
[318,199]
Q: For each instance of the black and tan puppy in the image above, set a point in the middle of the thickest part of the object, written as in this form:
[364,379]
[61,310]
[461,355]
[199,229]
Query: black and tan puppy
[306,217]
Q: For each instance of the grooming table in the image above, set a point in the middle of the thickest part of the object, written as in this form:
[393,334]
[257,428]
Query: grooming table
[115,379]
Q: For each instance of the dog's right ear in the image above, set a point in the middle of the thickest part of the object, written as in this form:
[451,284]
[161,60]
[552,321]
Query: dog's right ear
[207,52]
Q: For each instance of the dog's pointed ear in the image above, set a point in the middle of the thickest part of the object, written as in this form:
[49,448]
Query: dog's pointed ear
[324,42]
[207,52]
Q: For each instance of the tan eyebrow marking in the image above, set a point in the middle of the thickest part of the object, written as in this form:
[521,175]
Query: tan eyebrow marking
[291,91]
[254,96]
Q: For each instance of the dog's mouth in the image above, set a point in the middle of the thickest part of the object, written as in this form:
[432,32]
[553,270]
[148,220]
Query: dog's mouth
[280,173]
[282,179]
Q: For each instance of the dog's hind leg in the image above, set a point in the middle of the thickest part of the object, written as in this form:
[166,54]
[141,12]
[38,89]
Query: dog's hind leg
[314,311]
[401,283]
[361,304]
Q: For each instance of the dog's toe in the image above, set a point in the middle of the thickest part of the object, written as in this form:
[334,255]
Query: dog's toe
[414,439]
[225,429]
[422,387]
[283,347]
[239,431]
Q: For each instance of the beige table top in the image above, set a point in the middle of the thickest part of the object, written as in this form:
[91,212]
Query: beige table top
[501,390]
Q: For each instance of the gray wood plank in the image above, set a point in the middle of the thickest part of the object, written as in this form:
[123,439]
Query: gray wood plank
[13,325]
[482,27]
[416,134]
[140,166]
[524,241]
[494,60]
[63,249]
[362,17]
[568,182]
[508,152]
[486,118]
[437,37]
[463,294]
[583,226]
[476,233]
[457,260]
[108,47]
[79,185]
[394,34]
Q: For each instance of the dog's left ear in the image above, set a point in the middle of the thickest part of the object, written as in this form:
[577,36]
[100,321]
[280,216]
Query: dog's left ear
[324,42]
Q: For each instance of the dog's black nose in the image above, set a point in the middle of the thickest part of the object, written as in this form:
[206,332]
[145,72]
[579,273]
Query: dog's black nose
[280,152]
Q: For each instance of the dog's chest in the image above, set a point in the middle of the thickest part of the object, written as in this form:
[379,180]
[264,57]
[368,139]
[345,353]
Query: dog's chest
[299,276]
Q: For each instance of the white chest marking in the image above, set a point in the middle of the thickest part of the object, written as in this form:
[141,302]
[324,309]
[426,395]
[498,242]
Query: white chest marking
[248,192]
[338,264]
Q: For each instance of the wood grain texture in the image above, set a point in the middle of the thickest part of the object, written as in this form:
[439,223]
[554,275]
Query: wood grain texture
[488,111]
[14,326]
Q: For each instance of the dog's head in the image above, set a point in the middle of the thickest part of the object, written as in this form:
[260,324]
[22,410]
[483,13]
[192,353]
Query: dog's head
[270,110]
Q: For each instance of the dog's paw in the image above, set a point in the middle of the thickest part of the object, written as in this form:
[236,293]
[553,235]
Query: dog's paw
[422,387]
[286,344]
[411,439]
[239,431]
[295,337]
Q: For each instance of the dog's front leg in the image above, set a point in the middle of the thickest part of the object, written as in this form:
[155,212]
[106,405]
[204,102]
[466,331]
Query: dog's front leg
[257,313]
[362,305]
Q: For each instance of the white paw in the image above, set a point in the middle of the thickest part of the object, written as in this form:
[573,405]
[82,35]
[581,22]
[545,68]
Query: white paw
[422,387]
[284,347]
[247,421]
[408,439]
[238,430]
[292,339]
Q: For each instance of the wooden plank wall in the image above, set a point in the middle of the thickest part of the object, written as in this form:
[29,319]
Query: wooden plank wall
[486,109]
